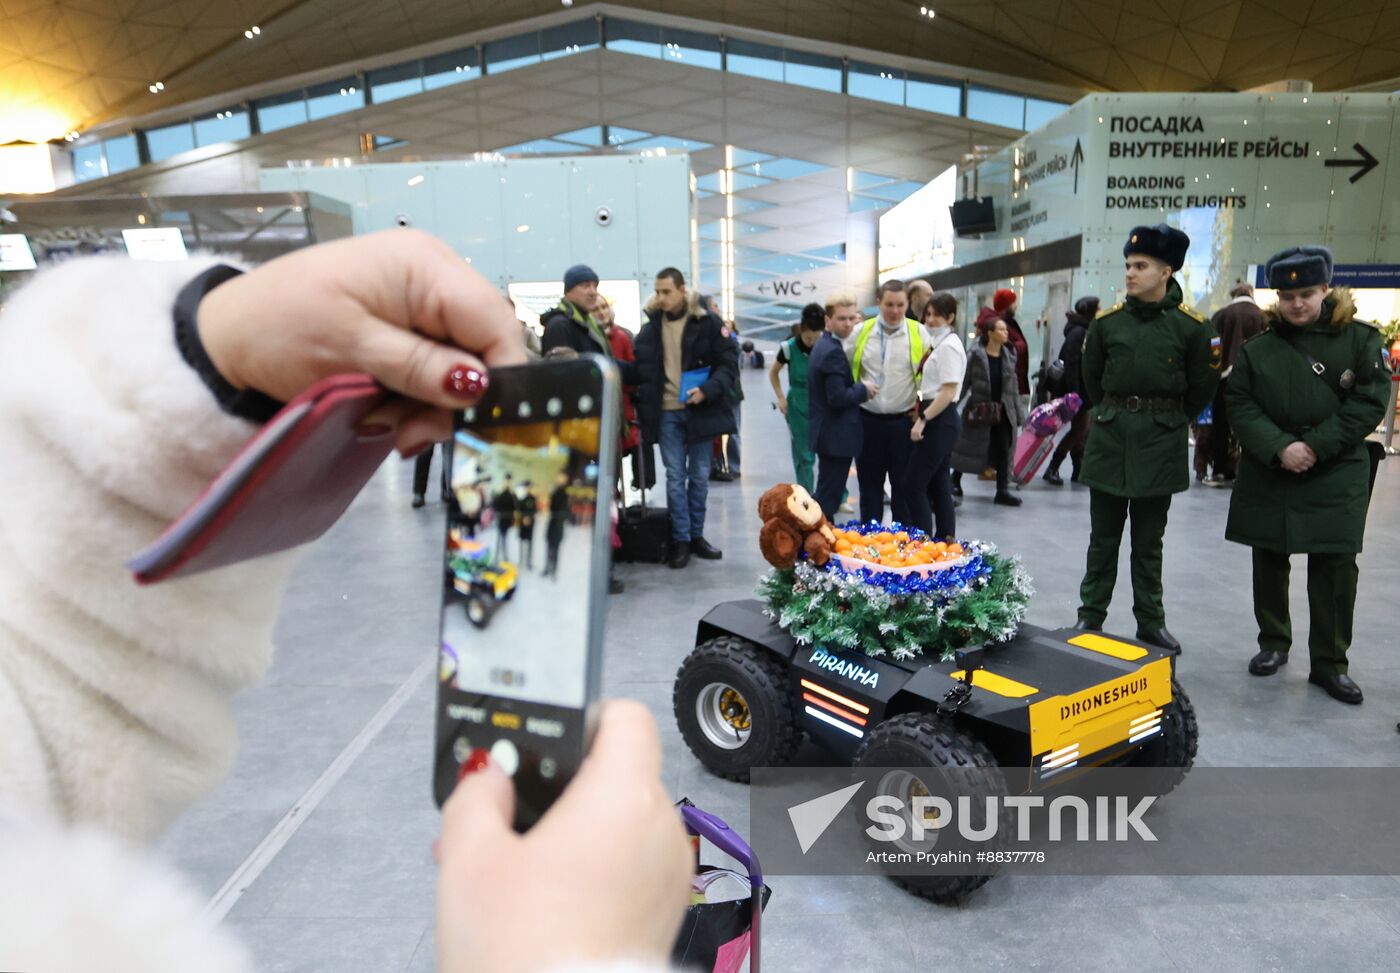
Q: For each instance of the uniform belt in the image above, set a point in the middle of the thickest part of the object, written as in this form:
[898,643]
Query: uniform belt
[888,415]
[1137,403]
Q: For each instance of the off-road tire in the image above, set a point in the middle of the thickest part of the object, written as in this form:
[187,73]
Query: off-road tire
[1175,746]
[763,681]
[478,609]
[926,740]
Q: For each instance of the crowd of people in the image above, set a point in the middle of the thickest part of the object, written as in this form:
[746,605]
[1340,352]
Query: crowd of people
[900,396]
[912,408]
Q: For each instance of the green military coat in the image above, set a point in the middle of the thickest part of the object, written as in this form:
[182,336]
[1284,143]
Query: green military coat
[1161,350]
[1275,398]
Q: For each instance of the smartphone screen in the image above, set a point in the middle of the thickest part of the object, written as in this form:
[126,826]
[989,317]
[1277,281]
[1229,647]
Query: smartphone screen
[525,571]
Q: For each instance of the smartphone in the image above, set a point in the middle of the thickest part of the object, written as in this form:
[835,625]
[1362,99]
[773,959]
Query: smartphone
[286,487]
[525,576]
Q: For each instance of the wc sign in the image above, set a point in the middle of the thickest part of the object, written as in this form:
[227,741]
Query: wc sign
[791,287]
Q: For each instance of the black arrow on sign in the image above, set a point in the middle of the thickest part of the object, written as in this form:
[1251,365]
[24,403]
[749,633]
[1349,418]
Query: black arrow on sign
[1365,164]
[1074,160]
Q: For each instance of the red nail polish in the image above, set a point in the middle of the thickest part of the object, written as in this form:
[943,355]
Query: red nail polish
[476,760]
[374,430]
[465,382]
[413,451]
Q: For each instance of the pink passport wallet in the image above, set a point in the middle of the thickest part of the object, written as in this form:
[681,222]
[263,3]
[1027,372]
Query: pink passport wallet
[286,487]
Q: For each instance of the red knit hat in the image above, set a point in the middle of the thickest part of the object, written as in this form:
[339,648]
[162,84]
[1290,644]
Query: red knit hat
[1003,299]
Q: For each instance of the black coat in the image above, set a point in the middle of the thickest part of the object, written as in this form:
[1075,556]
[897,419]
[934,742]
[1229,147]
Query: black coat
[1072,353]
[971,454]
[703,345]
[833,401]
[563,330]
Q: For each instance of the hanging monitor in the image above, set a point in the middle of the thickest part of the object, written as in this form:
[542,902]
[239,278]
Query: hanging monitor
[974,216]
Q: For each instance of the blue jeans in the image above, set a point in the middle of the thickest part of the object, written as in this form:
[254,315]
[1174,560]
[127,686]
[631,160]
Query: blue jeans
[687,477]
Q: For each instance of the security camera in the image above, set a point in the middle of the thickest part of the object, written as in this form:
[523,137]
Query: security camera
[402,220]
[602,216]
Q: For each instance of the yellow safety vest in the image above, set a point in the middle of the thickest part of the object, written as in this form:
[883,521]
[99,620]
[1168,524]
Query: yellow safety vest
[916,347]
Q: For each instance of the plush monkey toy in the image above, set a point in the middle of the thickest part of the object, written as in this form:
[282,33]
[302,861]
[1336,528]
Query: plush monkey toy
[792,523]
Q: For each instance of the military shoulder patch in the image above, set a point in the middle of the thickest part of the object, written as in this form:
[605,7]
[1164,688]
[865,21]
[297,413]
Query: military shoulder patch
[1192,313]
[1109,310]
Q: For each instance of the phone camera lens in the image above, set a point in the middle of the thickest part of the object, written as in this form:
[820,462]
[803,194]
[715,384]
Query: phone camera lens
[525,410]
[585,404]
[554,407]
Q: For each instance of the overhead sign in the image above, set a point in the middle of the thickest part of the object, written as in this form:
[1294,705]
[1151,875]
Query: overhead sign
[15,253]
[155,243]
[1351,275]
[1363,165]
[795,287]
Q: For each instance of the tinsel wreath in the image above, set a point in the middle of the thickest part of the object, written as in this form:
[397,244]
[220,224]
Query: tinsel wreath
[832,607]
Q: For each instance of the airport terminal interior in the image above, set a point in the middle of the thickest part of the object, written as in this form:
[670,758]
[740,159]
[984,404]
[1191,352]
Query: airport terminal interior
[785,165]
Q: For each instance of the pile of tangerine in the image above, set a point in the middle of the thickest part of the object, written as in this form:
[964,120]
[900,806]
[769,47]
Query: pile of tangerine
[894,549]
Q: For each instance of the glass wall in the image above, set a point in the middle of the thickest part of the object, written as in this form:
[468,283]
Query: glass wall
[280,111]
[877,82]
[87,162]
[511,53]
[122,154]
[222,126]
[445,69]
[162,143]
[755,60]
[630,37]
[996,107]
[689,47]
[812,70]
[334,98]
[399,81]
[569,39]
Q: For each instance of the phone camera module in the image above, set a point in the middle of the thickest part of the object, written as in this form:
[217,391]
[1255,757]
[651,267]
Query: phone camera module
[603,216]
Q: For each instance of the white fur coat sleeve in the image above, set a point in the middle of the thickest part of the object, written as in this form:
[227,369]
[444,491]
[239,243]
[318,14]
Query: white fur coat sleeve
[78,901]
[114,699]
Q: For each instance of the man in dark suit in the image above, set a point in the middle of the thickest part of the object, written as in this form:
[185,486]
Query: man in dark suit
[834,398]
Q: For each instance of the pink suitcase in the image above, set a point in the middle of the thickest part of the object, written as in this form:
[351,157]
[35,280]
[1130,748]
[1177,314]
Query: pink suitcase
[1029,455]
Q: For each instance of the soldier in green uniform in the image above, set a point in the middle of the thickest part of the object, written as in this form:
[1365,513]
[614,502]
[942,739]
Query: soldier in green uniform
[1149,366]
[1303,397]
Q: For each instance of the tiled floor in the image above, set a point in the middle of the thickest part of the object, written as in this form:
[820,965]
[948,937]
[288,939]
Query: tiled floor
[353,889]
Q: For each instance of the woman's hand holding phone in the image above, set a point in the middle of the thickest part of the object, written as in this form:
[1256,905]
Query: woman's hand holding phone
[604,875]
[399,304]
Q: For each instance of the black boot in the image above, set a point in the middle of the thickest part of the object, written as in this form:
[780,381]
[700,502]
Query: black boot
[703,549]
[1159,637]
[1339,686]
[1083,624]
[1007,499]
[1052,477]
[1266,662]
[680,555]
